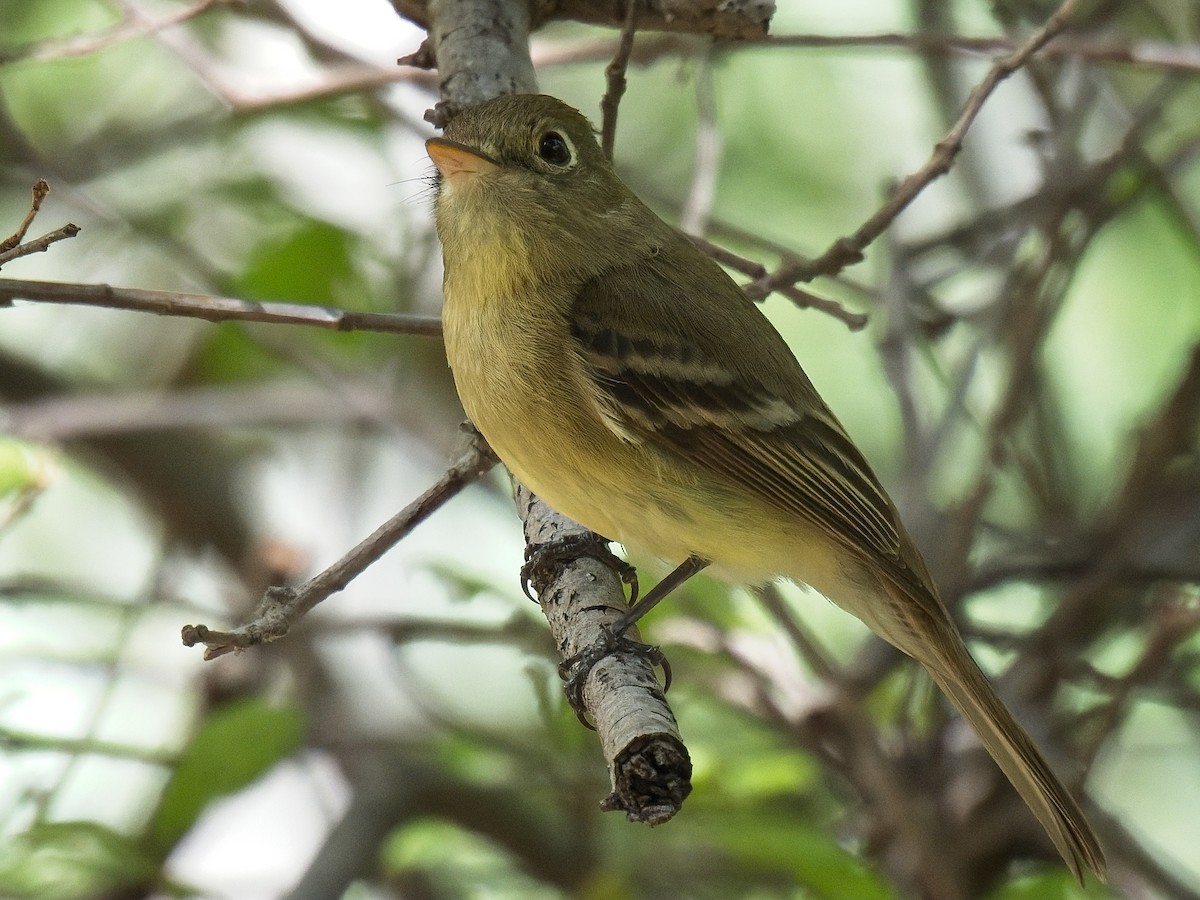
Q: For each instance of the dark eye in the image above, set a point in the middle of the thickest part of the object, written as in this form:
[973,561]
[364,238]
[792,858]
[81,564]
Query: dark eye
[554,149]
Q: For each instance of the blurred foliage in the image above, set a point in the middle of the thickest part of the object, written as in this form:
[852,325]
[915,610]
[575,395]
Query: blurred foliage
[236,744]
[1022,389]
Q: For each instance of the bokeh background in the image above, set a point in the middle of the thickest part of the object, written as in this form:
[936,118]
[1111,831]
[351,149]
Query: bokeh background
[1027,387]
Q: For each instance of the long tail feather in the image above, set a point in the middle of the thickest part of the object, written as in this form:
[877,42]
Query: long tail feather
[1018,757]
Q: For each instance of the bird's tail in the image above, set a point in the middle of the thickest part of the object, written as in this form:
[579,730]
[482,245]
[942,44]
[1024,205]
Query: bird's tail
[957,674]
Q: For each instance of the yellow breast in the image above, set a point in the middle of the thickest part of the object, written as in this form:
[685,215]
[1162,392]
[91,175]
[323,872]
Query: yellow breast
[527,391]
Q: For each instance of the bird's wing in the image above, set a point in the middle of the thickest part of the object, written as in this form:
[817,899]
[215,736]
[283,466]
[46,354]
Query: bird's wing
[754,422]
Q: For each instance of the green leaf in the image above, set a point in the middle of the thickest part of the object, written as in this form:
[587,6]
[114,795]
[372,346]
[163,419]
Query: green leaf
[230,355]
[23,467]
[1050,884]
[816,861]
[309,266]
[460,863]
[66,860]
[236,745]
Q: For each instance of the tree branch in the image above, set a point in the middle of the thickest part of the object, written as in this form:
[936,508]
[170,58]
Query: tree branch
[1155,55]
[799,296]
[648,763]
[216,309]
[482,51]
[721,19]
[281,607]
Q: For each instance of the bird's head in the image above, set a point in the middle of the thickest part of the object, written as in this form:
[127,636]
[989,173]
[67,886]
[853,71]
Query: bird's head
[526,170]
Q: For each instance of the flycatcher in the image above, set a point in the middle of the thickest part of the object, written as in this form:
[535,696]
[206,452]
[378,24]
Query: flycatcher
[628,381]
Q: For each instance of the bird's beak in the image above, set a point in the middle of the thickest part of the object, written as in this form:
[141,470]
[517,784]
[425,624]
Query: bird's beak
[455,159]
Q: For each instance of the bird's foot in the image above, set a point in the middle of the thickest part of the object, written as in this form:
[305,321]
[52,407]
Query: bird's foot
[575,671]
[540,562]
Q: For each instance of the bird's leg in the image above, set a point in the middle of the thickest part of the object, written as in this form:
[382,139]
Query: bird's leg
[574,671]
[639,608]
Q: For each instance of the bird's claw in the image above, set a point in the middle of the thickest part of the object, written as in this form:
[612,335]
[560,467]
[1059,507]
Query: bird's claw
[540,560]
[574,671]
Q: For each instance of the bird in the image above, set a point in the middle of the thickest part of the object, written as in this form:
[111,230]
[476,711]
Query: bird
[627,380]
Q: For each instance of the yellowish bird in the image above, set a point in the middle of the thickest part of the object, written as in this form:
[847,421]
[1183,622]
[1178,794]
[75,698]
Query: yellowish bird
[628,381]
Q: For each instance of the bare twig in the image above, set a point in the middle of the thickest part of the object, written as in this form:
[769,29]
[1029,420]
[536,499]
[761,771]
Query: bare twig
[1156,55]
[802,298]
[74,416]
[129,29]
[281,607]
[216,309]
[39,245]
[848,250]
[615,77]
[337,82]
[353,78]
[41,188]
[16,740]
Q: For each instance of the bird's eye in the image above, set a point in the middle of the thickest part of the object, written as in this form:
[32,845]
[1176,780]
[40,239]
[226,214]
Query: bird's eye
[554,149]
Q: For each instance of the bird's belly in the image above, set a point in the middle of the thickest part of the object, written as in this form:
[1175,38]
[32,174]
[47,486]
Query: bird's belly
[659,511]
[548,433]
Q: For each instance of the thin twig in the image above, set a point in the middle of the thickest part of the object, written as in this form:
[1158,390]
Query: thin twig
[848,250]
[355,78]
[1173,621]
[802,298]
[281,607]
[216,309]
[615,76]
[727,231]
[41,188]
[129,29]
[39,245]
[1157,55]
[17,740]
[843,735]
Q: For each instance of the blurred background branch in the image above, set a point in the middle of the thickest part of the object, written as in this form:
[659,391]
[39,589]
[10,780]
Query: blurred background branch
[1027,385]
